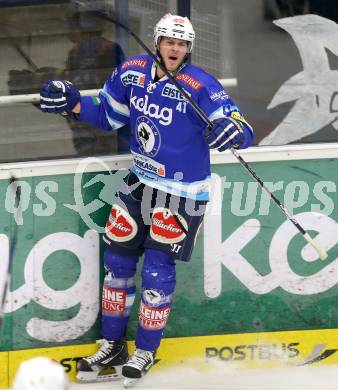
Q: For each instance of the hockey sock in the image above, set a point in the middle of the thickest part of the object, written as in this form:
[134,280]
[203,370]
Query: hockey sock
[158,285]
[118,293]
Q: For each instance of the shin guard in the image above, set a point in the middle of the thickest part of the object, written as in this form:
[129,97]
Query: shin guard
[158,285]
[118,294]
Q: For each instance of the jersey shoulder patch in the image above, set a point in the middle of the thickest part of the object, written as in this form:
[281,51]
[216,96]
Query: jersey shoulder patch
[196,78]
[137,62]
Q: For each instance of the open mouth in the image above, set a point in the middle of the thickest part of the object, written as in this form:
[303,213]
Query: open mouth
[173,58]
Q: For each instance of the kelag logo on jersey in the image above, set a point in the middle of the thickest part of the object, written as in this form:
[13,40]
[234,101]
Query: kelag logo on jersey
[148,136]
[163,114]
[131,77]
[172,92]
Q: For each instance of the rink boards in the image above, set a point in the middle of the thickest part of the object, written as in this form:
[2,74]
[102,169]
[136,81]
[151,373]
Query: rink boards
[241,351]
[254,293]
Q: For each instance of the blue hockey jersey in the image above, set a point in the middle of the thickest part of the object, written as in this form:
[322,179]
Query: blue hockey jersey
[167,135]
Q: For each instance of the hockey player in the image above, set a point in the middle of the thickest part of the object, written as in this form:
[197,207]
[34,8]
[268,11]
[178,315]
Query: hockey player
[40,373]
[160,206]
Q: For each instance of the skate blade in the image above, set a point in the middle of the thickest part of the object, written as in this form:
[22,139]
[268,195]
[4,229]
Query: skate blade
[129,382]
[105,375]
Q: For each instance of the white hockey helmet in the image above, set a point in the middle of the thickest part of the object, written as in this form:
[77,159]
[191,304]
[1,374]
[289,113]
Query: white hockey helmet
[40,373]
[174,26]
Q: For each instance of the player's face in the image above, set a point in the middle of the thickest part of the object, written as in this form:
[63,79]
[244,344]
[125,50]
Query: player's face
[173,52]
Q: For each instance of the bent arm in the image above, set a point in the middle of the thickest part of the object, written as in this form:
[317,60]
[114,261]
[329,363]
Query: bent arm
[91,110]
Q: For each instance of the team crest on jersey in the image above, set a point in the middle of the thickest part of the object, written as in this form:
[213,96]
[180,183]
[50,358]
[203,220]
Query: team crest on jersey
[151,87]
[148,136]
[167,227]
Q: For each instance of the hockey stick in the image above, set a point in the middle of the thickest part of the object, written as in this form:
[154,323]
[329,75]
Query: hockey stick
[12,247]
[321,253]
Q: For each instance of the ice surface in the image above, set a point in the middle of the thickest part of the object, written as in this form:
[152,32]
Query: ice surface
[223,376]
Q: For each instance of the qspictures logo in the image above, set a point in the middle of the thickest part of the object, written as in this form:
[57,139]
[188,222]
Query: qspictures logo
[228,250]
[55,211]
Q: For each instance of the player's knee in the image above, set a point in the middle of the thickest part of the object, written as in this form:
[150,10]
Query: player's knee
[120,266]
[159,271]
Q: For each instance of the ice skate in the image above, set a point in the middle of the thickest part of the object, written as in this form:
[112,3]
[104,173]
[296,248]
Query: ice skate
[137,366]
[105,364]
